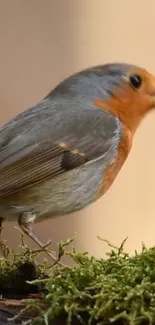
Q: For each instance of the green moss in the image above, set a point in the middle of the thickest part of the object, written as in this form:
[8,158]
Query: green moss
[119,289]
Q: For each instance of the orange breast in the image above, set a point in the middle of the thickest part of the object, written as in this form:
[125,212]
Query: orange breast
[115,165]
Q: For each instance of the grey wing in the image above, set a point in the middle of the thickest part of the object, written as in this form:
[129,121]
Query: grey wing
[50,139]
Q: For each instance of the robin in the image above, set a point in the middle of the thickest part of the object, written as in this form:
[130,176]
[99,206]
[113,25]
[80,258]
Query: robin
[65,152]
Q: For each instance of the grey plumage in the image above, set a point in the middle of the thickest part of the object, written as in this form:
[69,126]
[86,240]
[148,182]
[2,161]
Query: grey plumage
[61,117]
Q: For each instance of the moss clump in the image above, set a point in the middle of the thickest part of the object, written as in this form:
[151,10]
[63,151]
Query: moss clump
[116,290]
[119,289]
[17,269]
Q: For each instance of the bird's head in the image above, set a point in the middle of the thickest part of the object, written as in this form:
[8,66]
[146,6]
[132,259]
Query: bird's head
[131,92]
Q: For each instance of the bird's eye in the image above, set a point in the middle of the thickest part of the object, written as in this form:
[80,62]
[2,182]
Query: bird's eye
[136,81]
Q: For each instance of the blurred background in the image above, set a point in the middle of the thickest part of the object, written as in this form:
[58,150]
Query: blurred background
[42,42]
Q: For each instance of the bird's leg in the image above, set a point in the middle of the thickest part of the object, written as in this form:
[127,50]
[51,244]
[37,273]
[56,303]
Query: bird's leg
[1,221]
[2,244]
[24,221]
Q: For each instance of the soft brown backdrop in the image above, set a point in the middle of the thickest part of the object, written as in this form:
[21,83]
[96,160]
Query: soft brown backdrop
[41,42]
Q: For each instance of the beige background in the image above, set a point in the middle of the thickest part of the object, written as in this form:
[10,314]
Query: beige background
[43,41]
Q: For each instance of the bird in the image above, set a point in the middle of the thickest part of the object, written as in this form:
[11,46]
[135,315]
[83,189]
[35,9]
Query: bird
[64,152]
